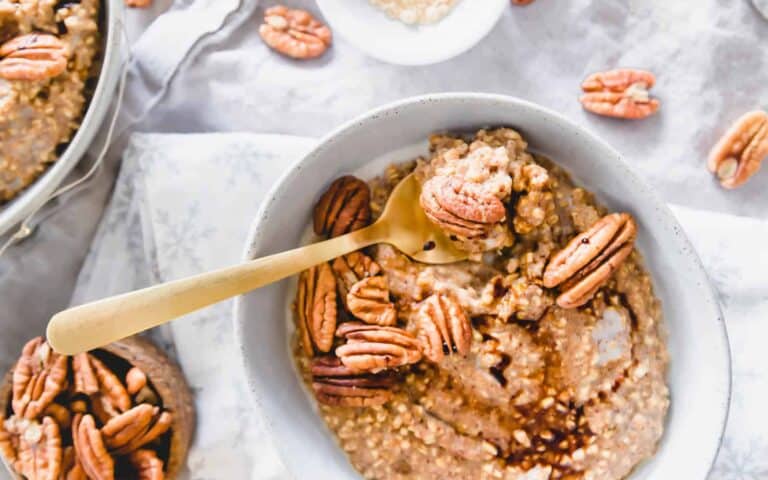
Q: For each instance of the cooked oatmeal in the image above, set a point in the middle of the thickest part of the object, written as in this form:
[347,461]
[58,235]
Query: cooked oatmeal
[542,357]
[47,53]
[416,11]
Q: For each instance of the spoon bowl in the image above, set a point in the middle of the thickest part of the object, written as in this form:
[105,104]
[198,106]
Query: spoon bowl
[412,232]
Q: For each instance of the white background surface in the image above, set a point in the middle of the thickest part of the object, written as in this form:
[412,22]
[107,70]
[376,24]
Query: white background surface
[709,57]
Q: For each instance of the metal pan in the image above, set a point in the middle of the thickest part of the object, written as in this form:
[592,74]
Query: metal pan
[36,194]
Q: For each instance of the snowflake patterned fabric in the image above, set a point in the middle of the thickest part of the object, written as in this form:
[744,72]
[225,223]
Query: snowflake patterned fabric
[178,196]
[184,203]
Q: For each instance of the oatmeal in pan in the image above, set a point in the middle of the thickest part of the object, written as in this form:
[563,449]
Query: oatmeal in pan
[541,357]
[47,52]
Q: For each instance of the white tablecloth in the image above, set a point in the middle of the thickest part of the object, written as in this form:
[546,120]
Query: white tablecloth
[201,67]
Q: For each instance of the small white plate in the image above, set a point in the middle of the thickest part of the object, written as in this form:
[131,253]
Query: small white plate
[374,32]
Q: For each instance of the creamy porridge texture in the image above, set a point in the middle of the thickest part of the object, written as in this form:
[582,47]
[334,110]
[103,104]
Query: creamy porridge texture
[541,357]
[47,51]
[416,11]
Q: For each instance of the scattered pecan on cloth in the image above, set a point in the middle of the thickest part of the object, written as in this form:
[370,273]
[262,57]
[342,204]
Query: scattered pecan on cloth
[740,152]
[294,33]
[621,93]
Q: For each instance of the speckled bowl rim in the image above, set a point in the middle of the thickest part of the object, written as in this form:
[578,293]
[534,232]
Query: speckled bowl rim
[254,239]
[36,194]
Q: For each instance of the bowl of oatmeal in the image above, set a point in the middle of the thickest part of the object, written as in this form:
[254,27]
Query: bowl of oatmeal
[59,64]
[580,340]
[413,32]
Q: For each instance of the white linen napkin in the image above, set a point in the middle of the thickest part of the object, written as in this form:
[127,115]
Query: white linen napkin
[183,204]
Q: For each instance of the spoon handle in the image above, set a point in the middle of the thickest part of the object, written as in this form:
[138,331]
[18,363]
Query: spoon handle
[99,323]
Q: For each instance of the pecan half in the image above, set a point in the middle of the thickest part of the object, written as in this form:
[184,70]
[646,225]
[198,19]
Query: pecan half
[135,428]
[113,397]
[443,327]
[459,207]
[352,268]
[40,452]
[135,380]
[343,208]
[40,375]
[147,465]
[84,376]
[738,154]
[368,300]
[316,308]
[336,384]
[90,450]
[8,444]
[108,395]
[373,348]
[34,56]
[590,258]
[621,93]
[295,33]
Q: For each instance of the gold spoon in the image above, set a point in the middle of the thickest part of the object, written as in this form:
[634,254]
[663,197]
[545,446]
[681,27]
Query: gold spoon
[402,224]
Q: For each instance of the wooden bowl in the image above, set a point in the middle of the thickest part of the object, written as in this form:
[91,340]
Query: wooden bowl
[168,382]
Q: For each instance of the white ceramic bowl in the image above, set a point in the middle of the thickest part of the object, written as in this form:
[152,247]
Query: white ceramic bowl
[699,374]
[392,41]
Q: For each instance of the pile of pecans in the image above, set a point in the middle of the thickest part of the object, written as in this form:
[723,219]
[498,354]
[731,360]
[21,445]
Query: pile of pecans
[92,416]
[347,321]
